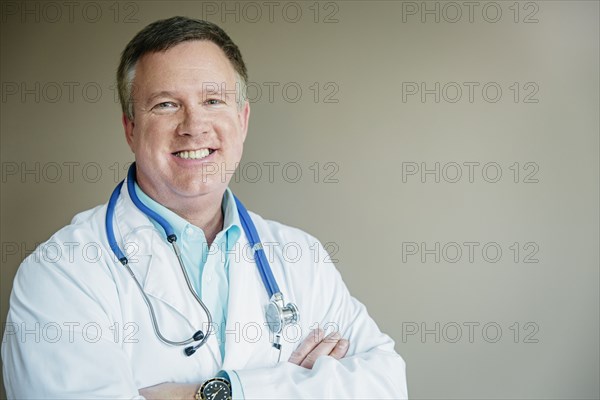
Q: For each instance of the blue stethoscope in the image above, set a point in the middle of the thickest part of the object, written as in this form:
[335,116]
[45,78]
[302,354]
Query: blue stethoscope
[278,314]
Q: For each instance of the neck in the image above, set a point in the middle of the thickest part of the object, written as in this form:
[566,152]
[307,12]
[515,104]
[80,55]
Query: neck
[204,211]
[208,217]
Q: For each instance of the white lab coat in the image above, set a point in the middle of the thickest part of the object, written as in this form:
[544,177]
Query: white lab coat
[79,328]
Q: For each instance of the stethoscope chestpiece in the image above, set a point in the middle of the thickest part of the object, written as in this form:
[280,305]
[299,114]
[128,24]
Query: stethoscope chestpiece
[279,314]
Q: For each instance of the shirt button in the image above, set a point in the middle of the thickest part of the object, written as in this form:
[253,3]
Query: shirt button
[189,231]
[209,278]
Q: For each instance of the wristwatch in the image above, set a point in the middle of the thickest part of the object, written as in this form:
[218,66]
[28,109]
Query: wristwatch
[214,389]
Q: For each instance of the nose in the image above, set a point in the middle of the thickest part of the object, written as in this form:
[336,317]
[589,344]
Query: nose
[194,121]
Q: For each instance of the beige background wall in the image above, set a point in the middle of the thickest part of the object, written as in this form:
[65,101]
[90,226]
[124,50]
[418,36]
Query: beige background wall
[362,132]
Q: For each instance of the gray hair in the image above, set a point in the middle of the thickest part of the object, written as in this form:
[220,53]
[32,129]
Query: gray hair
[166,33]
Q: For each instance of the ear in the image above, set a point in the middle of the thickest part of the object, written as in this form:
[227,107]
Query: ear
[244,117]
[128,126]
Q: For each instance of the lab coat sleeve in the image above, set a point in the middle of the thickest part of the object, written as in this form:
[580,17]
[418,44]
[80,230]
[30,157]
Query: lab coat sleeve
[62,334]
[371,368]
[237,393]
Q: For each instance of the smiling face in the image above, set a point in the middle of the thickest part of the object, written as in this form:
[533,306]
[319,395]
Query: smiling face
[187,133]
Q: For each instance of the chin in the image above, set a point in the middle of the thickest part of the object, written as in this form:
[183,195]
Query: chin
[198,187]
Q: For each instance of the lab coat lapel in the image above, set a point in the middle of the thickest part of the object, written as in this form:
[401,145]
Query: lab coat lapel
[156,267]
[165,282]
[247,335]
[153,260]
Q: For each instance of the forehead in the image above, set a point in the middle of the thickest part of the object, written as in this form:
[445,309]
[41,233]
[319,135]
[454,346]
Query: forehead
[192,61]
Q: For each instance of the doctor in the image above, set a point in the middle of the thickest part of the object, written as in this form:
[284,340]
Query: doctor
[83,326]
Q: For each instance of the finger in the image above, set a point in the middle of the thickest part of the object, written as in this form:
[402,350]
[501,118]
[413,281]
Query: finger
[323,349]
[307,345]
[340,349]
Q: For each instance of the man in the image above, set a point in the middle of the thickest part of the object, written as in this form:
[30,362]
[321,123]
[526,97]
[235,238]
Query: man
[119,332]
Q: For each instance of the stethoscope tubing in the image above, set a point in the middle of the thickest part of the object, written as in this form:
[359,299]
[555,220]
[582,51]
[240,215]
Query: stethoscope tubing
[259,254]
[249,229]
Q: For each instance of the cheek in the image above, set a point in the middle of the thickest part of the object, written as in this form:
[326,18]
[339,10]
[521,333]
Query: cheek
[231,131]
[152,135]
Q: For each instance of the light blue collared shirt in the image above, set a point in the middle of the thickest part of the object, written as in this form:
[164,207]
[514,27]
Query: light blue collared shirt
[207,267]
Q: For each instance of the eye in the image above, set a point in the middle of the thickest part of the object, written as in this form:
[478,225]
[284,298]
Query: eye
[214,101]
[165,107]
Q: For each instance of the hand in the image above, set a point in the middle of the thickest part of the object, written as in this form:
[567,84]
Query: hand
[315,346]
[170,391]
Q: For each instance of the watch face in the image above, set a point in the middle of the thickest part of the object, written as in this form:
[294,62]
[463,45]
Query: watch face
[217,389]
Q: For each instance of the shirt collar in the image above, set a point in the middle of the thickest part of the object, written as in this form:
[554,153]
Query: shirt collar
[231,218]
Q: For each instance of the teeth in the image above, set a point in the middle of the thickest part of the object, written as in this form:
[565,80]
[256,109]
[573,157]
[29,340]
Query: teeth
[193,154]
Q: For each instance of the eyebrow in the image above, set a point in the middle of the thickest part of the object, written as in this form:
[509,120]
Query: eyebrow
[163,93]
[212,88]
